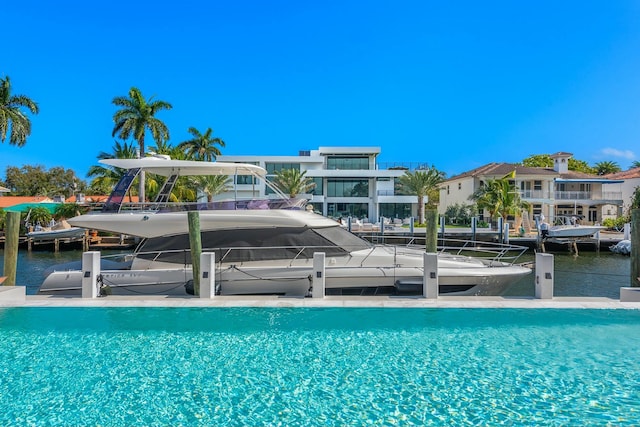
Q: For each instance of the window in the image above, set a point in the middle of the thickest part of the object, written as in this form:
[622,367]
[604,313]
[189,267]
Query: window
[537,185]
[348,188]
[395,210]
[348,163]
[345,210]
[459,186]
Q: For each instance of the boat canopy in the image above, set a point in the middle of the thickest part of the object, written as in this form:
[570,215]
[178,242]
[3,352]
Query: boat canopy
[168,167]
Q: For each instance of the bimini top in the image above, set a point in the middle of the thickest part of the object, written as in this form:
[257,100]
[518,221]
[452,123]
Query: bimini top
[164,166]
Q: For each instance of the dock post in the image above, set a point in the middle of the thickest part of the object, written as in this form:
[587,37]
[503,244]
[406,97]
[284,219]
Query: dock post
[430,279]
[635,247]
[56,245]
[505,235]
[431,236]
[349,224]
[208,275]
[442,227]
[90,273]
[627,231]
[318,277]
[411,225]
[195,242]
[544,276]
[12,237]
[500,229]
[474,228]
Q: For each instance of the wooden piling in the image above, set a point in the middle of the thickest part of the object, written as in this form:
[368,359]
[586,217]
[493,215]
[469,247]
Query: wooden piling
[431,236]
[12,237]
[195,241]
[635,247]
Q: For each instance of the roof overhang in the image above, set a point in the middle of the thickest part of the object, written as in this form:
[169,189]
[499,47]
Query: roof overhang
[167,167]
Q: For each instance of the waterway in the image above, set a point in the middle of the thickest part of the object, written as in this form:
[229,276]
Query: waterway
[589,274]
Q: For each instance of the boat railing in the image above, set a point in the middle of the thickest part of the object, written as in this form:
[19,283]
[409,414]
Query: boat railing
[488,251]
[492,251]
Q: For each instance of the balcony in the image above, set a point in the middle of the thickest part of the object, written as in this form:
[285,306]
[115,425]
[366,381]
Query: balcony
[571,195]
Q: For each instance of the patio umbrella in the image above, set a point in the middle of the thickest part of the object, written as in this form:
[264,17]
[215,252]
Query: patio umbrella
[25,207]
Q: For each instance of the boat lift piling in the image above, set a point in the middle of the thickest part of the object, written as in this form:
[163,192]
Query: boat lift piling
[195,241]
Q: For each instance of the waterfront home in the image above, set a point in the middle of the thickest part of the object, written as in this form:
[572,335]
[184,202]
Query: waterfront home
[349,182]
[550,191]
[631,180]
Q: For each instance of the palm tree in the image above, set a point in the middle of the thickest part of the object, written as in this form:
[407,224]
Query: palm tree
[499,197]
[107,177]
[604,168]
[136,116]
[421,183]
[212,185]
[293,182]
[635,164]
[202,146]
[13,120]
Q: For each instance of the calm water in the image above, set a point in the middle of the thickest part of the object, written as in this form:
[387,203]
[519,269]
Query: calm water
[589,274]
[333,367]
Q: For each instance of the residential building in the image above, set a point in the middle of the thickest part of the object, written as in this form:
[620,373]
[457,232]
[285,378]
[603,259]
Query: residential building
[631,180]
[349,182]
[550,191]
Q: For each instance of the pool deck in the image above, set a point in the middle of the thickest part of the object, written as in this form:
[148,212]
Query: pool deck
[329,301]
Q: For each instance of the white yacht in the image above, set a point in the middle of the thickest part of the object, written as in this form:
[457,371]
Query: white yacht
[264,246]
[568,227]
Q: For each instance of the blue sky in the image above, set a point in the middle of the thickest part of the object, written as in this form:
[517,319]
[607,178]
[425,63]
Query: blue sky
[456,84]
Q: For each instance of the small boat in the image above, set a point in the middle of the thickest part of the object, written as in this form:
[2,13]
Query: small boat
[57,230]
[623,247]
[568,227]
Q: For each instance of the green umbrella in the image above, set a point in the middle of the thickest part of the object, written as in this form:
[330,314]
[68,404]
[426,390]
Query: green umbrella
[25,207]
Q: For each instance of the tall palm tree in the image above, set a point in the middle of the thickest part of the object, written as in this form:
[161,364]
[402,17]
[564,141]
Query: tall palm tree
[421,183]
[293,182]
[136,116]
[202,146]
[635,164]
[13,118]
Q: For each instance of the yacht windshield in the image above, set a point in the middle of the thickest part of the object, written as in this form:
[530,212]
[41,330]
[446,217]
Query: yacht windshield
[241,245]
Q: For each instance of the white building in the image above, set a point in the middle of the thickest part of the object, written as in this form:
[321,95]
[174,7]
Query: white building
[550,191]
[631,180]
[348,181]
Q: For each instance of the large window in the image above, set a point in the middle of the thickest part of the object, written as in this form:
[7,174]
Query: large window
[345,210]
[247,179]
[348,163]
[348,188]
[395,210]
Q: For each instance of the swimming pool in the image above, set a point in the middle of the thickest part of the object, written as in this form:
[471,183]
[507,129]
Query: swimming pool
[318,366]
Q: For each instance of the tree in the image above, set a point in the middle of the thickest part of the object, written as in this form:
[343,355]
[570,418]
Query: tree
[293,182]
[37,181]
[635,164]
[202,146]
[68,210]
[136,116]
[212,185]
[421,183]
[106,177]
[545,161]
[607,167]
[13,118]
[499,197]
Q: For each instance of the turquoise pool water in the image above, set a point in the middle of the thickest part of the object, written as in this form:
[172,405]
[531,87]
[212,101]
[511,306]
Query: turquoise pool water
[334,367]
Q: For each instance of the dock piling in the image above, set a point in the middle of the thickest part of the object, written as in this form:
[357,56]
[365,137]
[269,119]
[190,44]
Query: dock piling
[12,232]
[318,277]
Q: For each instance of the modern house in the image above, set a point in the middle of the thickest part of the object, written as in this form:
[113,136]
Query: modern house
[550,191]
[349,182]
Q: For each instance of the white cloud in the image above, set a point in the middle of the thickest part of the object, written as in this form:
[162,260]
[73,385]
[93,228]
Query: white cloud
[625,154]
